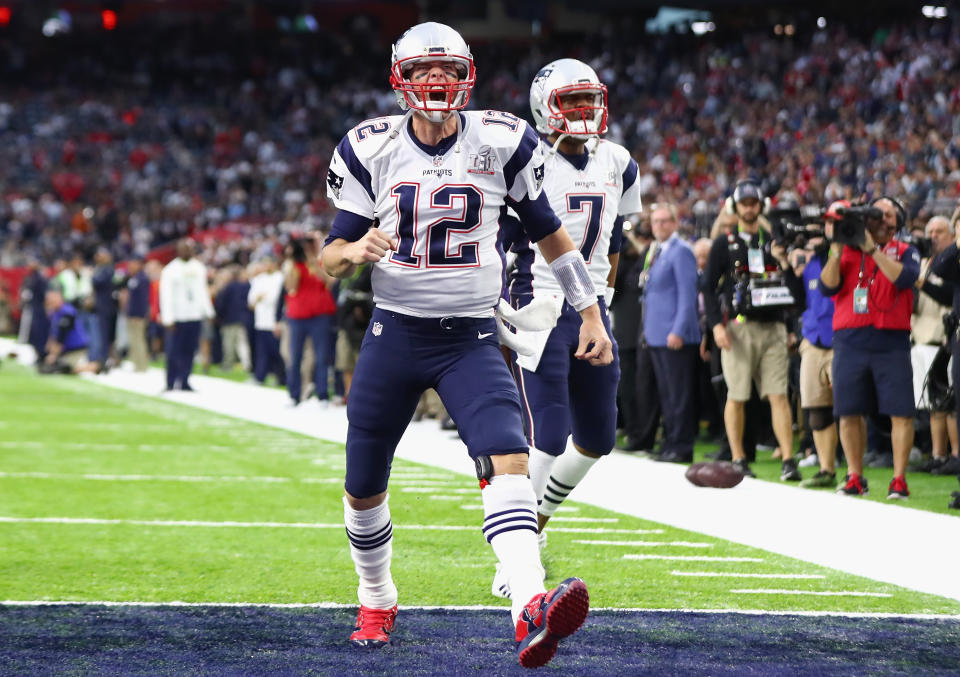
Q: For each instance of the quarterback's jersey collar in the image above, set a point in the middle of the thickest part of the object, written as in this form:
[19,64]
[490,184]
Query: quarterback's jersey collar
[445,143]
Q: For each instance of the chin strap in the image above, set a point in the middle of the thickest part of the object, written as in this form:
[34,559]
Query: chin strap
[556,144]
[456,146]
[394,132]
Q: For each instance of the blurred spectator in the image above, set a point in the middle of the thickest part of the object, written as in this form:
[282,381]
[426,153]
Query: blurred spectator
[265,290]
[816,359]
[232,312]
[672,333]
[137,299]
[625,312]
[930,353]
[310,310]
[354,310]
[104,305]
[34,324]
[6,309]
[67,345]
[184,302]
[645,381]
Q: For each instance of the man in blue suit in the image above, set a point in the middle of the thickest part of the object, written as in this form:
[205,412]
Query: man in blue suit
[672,332]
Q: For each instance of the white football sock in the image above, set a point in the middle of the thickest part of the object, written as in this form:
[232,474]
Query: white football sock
[510,527]
[539,466]
[371,545]
[567,472]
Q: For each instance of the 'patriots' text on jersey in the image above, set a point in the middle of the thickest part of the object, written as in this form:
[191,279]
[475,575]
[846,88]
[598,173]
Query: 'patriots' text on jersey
[589,193]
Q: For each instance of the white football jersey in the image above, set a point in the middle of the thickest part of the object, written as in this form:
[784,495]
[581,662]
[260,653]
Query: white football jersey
[442,210]
[588,202]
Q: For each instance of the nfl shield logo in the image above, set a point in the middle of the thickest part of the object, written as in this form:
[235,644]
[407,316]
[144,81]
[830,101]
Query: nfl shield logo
[377,328]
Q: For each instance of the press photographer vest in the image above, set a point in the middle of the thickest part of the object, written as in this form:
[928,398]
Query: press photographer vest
[888,307]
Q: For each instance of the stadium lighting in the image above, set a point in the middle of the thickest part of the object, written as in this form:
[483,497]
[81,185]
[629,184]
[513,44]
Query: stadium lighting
[58,23]
[4,16]
[821,23]
[702,27]
[109,19]
[934,12]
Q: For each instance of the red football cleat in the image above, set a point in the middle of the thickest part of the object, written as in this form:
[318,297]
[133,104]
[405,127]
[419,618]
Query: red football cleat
[374,627]
[548,618]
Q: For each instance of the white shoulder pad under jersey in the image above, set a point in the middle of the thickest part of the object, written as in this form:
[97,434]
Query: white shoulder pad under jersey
[440,204]
[588,199]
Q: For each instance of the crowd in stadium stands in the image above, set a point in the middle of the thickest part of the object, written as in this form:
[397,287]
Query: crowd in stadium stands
[124,150]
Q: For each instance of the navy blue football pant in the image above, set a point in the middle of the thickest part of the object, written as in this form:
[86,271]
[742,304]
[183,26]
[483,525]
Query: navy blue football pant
[567,396]
[318,330]
[181,346]
[676,372]
[266,356]
[401,356]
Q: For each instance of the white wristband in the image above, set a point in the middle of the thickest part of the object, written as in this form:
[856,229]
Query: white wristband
[574,278]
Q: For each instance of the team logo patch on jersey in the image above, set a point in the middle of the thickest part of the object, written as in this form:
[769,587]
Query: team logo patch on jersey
[377,329]
[538,176]
[335,181]
[612,178]
[482,162]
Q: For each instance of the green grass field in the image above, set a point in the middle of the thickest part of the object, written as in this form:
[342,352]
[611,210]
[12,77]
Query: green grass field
[106,495]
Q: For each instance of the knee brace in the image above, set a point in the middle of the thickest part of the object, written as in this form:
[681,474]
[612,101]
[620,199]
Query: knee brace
[820,417]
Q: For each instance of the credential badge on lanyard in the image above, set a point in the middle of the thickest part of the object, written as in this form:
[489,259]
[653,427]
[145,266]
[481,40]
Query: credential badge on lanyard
[755,261]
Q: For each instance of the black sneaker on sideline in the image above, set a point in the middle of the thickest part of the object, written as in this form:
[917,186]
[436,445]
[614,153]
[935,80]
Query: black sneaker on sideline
[721,454]
[744,467]
[823,479]
[789,471]
[931,464]
[855,485]
[951,466]
[881,460]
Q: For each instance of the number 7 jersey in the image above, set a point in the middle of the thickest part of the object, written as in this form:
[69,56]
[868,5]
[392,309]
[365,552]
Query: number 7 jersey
[441,205]
[588,193]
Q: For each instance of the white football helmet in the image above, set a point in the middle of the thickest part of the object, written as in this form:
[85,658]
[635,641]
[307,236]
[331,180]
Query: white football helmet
[428,42]
[568,76]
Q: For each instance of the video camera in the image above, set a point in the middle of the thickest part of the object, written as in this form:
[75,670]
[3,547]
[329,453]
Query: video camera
[851,228]
[793,225]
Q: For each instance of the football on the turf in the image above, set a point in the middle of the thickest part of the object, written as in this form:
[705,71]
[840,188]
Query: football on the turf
[717,474]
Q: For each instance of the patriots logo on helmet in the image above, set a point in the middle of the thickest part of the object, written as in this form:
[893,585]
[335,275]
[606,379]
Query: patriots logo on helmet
[335,181]
[538,176]
[543,73]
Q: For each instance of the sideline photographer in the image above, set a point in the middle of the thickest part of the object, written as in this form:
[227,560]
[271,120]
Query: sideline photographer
[871,275]
[748,289]
[947,266]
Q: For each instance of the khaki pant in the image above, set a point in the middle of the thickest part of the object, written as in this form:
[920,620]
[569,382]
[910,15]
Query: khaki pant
[816,376]
[236,347]
[758,352]
[137,337]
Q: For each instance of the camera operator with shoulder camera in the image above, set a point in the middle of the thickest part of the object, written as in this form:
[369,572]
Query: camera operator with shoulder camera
[871,275]
[748,289]
[947,266]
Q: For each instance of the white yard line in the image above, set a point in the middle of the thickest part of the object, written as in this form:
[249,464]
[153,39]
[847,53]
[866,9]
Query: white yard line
[648,544]
[272,525]
[151,478]
[734,574]
[816,593]
[692,558]
[777,518]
